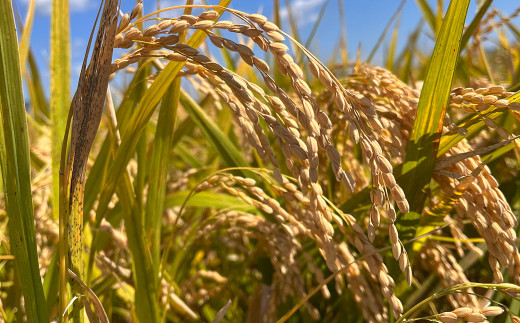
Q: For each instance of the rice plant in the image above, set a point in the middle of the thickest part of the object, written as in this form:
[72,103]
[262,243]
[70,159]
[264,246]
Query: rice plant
[210,168]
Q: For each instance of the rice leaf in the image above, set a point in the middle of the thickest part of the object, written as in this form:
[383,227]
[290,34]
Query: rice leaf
[293,24]
[428,15]
[101,315]
[146,284]
[51,281]
[16,172]
[514,30]
[186,154]
[59,103]
[39,104]
[60,88]
[406,57]
[207,200]
[229,153]
[316,24]
[159,168]
[343,38]
[385,30]
[424,139]
[26,36]
[475,23]
[86,108]
[393,44]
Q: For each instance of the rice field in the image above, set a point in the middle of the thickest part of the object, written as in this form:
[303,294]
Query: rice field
[211,167]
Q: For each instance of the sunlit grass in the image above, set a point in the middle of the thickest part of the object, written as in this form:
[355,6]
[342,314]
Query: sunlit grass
[268,186]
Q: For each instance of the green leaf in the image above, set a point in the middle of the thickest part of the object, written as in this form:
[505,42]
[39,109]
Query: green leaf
[207,200]
[385,30]
[26,36]
[159,169]
[39,104]
[218,140]
[146,283]
[60,88]
[424,139]
[59,104]
[474,23]
[16,171]
[428,15]
[391,52]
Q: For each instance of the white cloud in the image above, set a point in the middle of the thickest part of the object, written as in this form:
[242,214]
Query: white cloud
[44,7]
[172,3]
[304,11]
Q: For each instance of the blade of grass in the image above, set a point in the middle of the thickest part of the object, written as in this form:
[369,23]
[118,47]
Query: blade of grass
[39,104]
[51,281]
[60,88]
[101,315]
[407,56]
[146,284]
[292,21]
[385,30]
[343,39]
[424,139]
[26,36]
[276,12]
[16,170]
[293,24]
[185,153]
[439,16]
[159,169]
[485,63]
[207,200]
[428,15]
[59,104]
[131,210]
[474,23]
[185,127]
[228,152]
[391,51]
[317,24]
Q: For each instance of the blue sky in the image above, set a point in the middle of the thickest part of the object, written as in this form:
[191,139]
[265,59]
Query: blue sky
[365,21]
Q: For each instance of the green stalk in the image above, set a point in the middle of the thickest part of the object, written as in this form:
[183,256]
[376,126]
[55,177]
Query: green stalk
[16,170]
[59,103]
[60,88]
